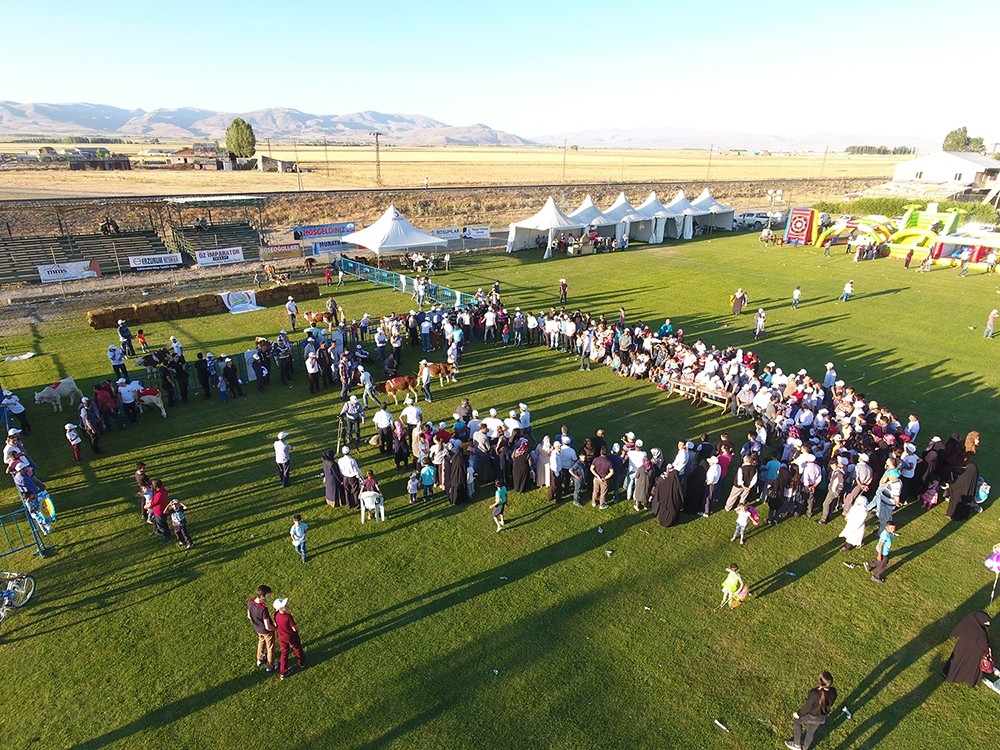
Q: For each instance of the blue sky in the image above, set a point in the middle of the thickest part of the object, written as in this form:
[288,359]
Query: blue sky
[532,68]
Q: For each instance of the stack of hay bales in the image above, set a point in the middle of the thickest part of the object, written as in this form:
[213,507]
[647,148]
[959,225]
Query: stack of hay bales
[193,307]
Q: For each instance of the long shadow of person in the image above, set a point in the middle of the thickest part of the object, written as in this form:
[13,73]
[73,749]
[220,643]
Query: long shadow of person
[802,567]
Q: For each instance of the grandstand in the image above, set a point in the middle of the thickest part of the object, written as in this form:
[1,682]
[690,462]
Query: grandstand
[113,251]
[187,240]
[21,256]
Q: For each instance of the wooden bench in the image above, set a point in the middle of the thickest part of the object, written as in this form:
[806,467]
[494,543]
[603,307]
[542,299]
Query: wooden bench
[684,388]
[716,396]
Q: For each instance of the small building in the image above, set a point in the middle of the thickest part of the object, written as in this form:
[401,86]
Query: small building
[966,174]
[200,156]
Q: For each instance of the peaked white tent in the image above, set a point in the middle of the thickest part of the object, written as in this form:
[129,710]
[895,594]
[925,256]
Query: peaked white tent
[684,212]
[550,220]
[719,216]
[392,232]
[590,213]
[622,213]
[655,212]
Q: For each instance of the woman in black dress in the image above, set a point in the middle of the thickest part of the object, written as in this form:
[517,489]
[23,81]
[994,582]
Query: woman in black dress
[694,492]
[965,487]
[455,480]
[333,480]
[401,445]
[973,642]
[667,496]
[520,470]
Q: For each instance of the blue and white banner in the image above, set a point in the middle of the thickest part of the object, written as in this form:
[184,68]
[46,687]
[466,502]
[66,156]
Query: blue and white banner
[240,302]
[447,233]
[476,233]
[327,246]
[318,231]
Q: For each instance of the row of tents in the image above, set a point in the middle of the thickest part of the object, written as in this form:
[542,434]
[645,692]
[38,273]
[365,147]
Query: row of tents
[651,221]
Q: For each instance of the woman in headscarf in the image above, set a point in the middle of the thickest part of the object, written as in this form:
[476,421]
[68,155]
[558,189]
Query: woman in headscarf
[519,466]
[401,447]
[965,487]
[333,480]
[973,642]
[645,477]
[667,496]
[541,458]
[694,492]
[455,481]
[854,525]
[932,459]
[502,463]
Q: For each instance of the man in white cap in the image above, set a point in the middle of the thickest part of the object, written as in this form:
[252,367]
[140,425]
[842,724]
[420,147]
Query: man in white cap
[369,386]
[493,425]
[351,472]
[125,339]
[635,458]
[13,405]
[232,377]
[312,372]
[281,457]
[90,421]
[117,359]
[812,475]
[524,419]
[283,350]
[511,423]
[412,416]
[835,487]
[425,380]
[353,415]
[382,422]
[127,394]
[292,309]
[713,482]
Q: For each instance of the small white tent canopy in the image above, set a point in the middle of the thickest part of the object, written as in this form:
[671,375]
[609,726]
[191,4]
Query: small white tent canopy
[656,213]
[392,232]
[684,211]
[550,219]
[623,213]
[590,213]
[719,216]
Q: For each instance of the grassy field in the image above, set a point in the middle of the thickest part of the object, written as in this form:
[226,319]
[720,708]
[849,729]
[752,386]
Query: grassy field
[352,167]
[132,643]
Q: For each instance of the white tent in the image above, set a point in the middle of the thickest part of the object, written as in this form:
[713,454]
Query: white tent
[720,217]
[550,220]
[392,232]
[684,211]
[657,214]
[590,213]
[623,213]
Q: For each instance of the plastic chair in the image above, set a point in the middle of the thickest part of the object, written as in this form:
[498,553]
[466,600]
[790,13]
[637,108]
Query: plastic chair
[372,502]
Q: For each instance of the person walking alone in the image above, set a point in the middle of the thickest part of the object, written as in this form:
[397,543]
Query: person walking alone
[282,458]
[991,323]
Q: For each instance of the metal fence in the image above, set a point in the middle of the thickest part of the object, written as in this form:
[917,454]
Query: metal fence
[403,283]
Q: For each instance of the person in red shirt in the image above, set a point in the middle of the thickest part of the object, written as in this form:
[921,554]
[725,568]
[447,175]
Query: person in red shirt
[288,637]
[157,505]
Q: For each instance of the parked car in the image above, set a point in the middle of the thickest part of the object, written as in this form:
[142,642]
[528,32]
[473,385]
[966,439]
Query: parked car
[755,220]
[778,219]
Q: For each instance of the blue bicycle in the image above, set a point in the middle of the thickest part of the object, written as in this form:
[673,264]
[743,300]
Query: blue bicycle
[20,587]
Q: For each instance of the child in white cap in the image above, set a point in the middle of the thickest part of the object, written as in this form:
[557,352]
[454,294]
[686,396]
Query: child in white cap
[288,637]
[74,439]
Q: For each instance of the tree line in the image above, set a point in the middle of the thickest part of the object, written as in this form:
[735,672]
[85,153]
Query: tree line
[882,150]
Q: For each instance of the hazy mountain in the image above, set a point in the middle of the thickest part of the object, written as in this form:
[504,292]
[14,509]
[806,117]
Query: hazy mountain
[189,123]
[677,138]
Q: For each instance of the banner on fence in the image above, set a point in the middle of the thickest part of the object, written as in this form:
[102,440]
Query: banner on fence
[273,252]
[327,246]
[240,302]
[447,233]
[476,233]
[318,231]
[69,271]
[164,260]
[219,256]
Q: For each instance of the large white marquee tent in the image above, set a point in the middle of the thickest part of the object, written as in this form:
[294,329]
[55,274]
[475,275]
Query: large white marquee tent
[392,232]
[550,220]
[656,214]
[681,222]
[590,213]
[623,214]
[719,216]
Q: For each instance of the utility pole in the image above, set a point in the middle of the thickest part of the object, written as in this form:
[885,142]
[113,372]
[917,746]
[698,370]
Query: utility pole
[708,173]
[268,147]
[823,165]
[564,160]
[298,171]
[378,158]
[326,158]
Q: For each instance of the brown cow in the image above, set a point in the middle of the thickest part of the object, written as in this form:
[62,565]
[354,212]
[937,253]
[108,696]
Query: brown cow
[317,318]
[402,384]
[442,371]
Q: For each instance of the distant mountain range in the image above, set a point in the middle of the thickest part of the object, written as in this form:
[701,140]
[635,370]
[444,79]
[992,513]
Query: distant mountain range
[188,123]
[193,124]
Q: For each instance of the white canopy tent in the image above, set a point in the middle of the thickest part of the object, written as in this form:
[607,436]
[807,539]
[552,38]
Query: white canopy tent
[392,232]
[550,219]
[681,223]
[623,214]
[657,214]
[719,216]
[590,213]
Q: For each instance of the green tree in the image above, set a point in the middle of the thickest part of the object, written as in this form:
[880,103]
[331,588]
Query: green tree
[959,140]
[240,139]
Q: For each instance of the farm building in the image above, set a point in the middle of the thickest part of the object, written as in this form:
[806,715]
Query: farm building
[965,174]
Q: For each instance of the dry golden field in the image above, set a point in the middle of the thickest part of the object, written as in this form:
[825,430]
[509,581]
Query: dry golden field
[344,167]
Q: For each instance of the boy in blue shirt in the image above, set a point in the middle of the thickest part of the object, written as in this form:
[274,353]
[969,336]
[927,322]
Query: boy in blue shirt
[427,475]
[499,504]
[882,553]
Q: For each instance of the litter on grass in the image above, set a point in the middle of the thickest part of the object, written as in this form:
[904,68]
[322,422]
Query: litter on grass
[721,726]
[600,529]
[790,573]
[846,712]
[496,672]
[609,552]
[648,608]
[852,566]
[503,578]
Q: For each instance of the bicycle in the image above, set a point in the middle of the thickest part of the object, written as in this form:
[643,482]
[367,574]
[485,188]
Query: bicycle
[20,587]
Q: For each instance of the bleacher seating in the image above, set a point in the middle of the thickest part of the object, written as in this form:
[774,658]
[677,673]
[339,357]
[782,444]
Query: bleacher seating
[20,257]
[104,247]
[235,234]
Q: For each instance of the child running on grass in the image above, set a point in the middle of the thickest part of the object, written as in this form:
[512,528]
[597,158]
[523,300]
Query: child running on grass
[178,520]
[298,534]
[413,486]
[427,475]
[499,504]
[732,585]
[744,514]
[288,637]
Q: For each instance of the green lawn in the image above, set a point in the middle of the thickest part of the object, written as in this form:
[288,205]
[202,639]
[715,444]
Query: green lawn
[132,643]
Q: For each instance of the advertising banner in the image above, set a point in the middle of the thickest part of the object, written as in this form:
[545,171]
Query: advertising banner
[240,302]
[139,262]
[327,246]
[69,271]
[288,250]
[219,256]
[447,233]
[476,233]
[322,231]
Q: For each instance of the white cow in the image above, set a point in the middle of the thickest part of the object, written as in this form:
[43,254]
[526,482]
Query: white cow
[150,397]
[54,393]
